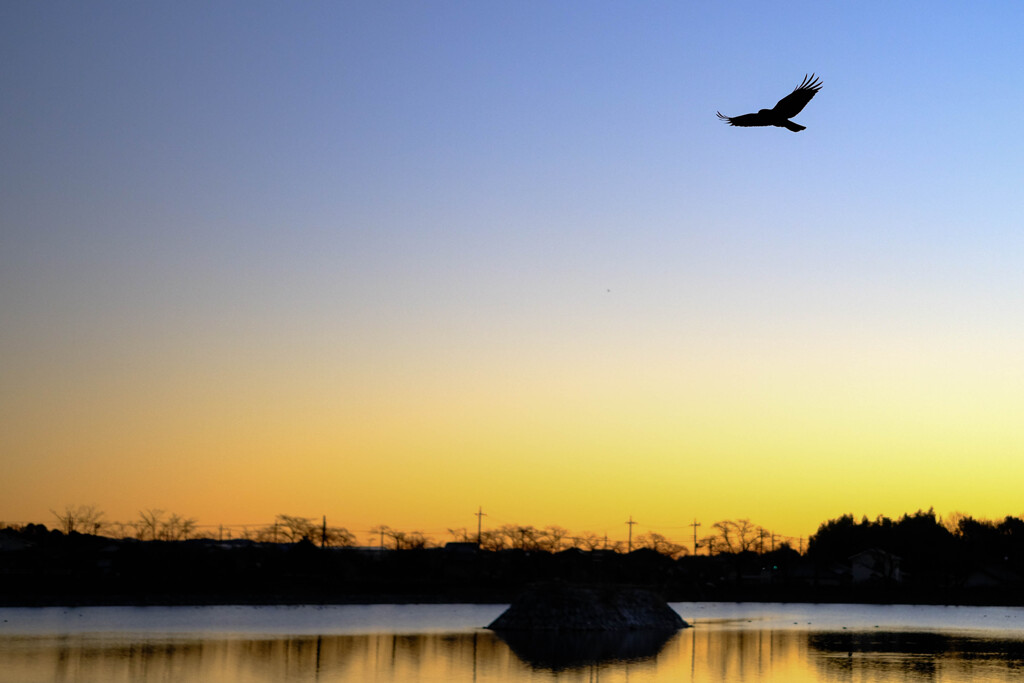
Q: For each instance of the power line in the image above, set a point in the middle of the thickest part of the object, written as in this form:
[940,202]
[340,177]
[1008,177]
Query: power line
[631,523]
[480,514]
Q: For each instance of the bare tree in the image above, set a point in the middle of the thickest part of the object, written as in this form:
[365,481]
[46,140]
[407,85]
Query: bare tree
[149,524]
[178,528]
[953,522]
[586,541]
[660,544]
[734,536]
[553,538]
[397,536]
[493,540]
[614,546]
[415,540]
[83,519]
[339,537]
[152,526]
[520,537]
[461,535]
[295,529]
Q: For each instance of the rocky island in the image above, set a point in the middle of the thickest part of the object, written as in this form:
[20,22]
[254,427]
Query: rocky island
[558,626]
[566,607]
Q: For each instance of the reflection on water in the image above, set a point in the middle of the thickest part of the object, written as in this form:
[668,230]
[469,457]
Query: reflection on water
[379,657]
[573,650]
[733,649]
[917,656]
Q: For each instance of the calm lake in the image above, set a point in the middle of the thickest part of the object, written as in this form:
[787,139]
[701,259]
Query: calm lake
[729,642]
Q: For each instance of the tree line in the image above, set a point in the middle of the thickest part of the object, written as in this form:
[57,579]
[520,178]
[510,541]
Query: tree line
[726,536]
[925,542]
[917,557]
[922,538]
[159,525]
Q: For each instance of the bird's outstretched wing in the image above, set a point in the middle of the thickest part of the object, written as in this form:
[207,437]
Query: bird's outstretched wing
[790,105]
[745,120]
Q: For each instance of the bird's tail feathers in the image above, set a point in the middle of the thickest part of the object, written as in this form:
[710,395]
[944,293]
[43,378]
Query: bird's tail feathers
[795,127]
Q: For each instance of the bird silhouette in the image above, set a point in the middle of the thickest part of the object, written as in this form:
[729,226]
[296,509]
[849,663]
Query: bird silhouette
[780,115]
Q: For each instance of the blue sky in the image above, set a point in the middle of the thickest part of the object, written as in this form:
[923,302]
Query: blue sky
[268,216]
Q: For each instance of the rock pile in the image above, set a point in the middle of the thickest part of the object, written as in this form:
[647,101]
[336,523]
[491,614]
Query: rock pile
[564,607]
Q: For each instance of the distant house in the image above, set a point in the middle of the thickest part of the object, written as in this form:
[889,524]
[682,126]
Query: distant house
[993,576]
[875,565]
[11,543]
[459,548]
[806,572]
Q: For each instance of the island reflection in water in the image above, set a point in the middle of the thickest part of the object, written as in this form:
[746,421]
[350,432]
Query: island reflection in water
[574,650]
[698,654]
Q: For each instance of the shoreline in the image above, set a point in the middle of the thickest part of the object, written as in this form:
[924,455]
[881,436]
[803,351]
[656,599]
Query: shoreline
[288,600]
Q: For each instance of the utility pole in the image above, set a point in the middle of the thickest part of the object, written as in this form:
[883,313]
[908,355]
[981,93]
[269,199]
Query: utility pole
[695,524]
[631,523]
[323,533]
[480,514]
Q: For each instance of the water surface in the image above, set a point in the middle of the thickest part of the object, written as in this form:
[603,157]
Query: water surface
[391,643]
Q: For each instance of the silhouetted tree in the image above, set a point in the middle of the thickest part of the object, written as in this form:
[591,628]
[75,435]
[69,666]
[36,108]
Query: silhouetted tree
[416,540]
[925,545]
[294,529]
[407,540]
[83,519]
[151,526]
[1011,536]
[586,541]
[733,536]
[339,537]
[462,535]
[660,544]
[838,539]
[493,540]
[552,539]
[397,536]
[148,525]
[178,528]
[952,522]
[519,537]
[984,542]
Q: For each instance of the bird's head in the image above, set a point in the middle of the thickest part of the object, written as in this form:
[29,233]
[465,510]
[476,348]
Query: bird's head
[762,112]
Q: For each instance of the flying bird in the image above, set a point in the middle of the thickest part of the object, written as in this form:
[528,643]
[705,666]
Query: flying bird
[780,115]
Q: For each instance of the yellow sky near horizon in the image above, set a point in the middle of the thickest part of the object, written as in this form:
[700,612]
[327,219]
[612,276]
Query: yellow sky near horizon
[786,440]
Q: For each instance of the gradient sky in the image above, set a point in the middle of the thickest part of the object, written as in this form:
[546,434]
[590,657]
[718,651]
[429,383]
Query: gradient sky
[391,261]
